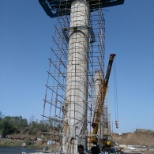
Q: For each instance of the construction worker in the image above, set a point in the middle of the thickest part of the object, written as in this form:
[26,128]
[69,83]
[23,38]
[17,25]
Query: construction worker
[81,149]
[95,148]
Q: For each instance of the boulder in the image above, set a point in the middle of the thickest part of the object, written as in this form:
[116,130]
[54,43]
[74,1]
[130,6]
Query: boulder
[23,145]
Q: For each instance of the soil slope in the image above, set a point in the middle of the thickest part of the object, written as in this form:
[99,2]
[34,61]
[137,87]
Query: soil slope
[139,137]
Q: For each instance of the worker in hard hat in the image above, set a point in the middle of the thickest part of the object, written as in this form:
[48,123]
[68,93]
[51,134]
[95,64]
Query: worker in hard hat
[81,149]
[95,148]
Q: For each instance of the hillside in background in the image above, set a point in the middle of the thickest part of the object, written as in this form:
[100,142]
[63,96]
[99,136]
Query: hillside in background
[139,137]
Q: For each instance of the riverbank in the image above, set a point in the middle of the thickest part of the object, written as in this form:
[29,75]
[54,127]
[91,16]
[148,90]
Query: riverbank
[18,143]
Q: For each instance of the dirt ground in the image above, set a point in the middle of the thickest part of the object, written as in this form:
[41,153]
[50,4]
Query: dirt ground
[148,152]
[142,138]
[145,138]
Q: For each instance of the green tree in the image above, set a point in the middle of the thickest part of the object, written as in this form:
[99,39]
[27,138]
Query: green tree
[27,141]
[6,128]
[1,116]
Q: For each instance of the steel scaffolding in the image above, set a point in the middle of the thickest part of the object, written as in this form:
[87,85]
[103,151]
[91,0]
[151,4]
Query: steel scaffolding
[55,106]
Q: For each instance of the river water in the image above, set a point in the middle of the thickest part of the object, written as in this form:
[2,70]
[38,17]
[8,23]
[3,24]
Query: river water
[4,150]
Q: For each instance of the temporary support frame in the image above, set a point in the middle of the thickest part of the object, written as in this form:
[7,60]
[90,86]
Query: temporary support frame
[54,103]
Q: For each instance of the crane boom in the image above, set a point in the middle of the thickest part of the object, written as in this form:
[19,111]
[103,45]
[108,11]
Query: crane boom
[108,72]
[101,97]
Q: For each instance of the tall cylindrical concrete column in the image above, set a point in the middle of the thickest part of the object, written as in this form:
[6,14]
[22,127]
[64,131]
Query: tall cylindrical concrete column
[77,77]
[98,82]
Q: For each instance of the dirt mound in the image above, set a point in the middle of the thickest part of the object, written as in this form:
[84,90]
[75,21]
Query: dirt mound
[139,137]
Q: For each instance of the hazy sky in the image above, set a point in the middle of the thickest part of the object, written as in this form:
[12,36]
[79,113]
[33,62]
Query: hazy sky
[25,40]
